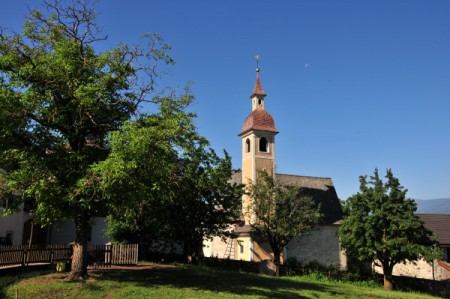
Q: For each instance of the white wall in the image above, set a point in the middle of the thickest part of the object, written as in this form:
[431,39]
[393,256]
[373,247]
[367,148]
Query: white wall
[64,233]
[14,224]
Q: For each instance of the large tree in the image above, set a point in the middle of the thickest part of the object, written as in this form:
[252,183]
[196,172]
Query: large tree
[282,213]
[380,225]
[171,185]
[206,204]
[59,98]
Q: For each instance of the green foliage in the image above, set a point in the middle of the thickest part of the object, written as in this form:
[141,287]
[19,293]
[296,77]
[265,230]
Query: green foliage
[59,99]
[281,214]
[293,267]
[167,183]
[381,226]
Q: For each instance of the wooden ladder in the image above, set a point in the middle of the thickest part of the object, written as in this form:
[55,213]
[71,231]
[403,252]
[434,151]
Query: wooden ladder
[229,250]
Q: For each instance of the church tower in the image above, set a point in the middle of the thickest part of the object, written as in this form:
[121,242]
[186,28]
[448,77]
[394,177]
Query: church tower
[258,144]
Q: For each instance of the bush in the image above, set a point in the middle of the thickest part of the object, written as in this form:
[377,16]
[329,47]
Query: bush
[228,264]
[292,267]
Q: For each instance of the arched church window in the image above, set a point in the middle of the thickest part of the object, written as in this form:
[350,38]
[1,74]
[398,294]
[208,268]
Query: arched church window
[263,145]
[247,145]
[259,102]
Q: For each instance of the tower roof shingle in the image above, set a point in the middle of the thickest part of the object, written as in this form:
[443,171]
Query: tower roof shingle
[257,90]
[259,119]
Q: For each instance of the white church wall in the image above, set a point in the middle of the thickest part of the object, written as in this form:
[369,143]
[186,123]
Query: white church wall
[215,248]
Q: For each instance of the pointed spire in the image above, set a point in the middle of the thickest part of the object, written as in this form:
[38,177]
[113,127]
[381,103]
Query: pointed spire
[258,88]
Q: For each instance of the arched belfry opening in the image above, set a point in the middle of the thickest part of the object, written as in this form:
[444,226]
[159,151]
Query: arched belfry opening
[247,146]
[263,145]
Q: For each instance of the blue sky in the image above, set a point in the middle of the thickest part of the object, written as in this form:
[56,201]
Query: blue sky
[352,85]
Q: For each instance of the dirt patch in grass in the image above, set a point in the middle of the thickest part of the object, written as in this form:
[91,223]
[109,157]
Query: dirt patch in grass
[45,279]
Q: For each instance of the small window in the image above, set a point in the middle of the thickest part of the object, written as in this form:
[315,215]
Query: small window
[241,248]
[247,145]
[263,145]
[259,102]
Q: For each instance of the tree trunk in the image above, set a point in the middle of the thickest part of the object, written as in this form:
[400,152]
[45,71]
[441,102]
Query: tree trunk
[193,250]
[79,263]
[79,258]
[387,278]
[187,251]
[198,249]
[276,256]
[276,259]
[31,234]
[143,246]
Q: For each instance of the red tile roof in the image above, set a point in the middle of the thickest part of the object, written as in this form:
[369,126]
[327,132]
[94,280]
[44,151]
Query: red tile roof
[259,119]
[258,88]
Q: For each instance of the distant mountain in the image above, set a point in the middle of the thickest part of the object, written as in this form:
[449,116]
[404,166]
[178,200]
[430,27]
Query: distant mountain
[433,206]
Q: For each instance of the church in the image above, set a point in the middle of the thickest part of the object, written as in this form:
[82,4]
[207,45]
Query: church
[321,245]
[258,154]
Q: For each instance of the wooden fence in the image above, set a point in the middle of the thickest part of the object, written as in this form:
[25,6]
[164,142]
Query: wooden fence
[24,255]
[98,255]
[107,255]
[124,254]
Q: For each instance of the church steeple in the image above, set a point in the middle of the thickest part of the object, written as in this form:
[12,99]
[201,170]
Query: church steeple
[259,119]
[257,90]
[258,154]
[258,144]
[258,94]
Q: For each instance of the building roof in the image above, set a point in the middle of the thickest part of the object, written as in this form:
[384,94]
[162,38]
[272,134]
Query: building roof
[243,229]
[320,189]
[259,119]
[440,225]
[257,90]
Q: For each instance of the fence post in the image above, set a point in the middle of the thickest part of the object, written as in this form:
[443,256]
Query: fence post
[24,256]
[51,256]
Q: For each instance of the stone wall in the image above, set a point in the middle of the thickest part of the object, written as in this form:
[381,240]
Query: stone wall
[320,245]
[419,269]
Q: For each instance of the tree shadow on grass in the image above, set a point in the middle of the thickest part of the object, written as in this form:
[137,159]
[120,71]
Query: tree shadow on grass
[12,276]
[206,279]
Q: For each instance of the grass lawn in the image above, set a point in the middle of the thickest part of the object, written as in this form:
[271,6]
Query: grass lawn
[184,282]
